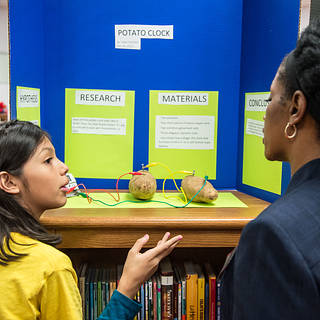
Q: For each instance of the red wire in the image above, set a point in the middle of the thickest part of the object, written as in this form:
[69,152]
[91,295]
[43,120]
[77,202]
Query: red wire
[86,192]
[104,190]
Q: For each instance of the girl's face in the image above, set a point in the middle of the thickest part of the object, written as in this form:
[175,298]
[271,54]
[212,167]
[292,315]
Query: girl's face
[275,121]
[42,180]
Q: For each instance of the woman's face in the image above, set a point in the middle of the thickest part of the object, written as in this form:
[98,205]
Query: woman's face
[42,181]
[275,121]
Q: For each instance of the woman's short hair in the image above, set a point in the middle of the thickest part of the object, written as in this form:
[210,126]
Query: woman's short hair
[300,70]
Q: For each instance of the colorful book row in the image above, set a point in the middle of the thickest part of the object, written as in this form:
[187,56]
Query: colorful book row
[178,291]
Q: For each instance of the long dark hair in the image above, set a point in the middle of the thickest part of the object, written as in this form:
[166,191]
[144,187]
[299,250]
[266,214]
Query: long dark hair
[18,142]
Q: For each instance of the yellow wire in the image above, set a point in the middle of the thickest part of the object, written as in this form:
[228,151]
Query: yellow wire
[153,164]
[180,190]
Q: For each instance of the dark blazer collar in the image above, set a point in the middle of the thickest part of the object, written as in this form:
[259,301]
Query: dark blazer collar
[310,170]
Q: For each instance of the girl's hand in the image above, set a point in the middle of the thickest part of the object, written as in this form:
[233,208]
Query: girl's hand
[139,267]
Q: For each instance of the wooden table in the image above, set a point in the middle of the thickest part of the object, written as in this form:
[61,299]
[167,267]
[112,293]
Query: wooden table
[120,227]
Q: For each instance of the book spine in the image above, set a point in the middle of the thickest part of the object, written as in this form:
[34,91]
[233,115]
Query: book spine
[138,299]
[201,292]
[146,300]
[99,295]
[218,300]
[192,296]
[166,296]
[87,298]
[159,298]
[95,300]
[142,302]
[179,301]
[175,300]
[103,295]
[207,297]
[91,316]
[150,299]
[184,300]
[154,298]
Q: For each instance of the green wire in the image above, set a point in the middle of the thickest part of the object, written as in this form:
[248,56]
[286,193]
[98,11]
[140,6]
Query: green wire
[82,194]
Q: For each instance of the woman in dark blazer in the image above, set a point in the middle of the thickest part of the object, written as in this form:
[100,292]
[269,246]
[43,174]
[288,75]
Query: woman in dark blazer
[274,273]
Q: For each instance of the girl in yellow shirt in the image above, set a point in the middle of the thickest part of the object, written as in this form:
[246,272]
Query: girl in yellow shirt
[38,281]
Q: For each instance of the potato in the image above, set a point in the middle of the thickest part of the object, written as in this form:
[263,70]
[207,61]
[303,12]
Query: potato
[143,186]
[192,184]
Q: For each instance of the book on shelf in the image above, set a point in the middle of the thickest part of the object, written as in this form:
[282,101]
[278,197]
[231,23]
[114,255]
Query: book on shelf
[192,291]
[201,292]
[142,301]
[166,275]
[154,297]
[182,276]
[146,300]
[91,294]
[112,280]
[138,316]
[206,308]
[95,293]
[103,288]
[218,301]
[87,314]
[179,292]
[107,277]
[158,279]
[82,279]
[175,297]
[210,275]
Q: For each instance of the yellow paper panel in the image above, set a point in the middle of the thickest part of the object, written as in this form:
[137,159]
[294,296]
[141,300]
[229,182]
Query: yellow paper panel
[202,161]
[31,114]
[104,156]
[258,172]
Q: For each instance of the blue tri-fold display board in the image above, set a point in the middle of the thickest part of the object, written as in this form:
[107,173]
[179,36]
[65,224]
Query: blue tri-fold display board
[122,83]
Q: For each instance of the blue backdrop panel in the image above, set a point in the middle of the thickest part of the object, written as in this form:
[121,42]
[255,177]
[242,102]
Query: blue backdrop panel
[79,52]
[269,31]
[26,48]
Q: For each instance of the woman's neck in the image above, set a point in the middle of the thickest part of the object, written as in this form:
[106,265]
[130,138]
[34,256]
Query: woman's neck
[303,154]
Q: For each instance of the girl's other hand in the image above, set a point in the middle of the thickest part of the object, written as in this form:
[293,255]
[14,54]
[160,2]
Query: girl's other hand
[139,267]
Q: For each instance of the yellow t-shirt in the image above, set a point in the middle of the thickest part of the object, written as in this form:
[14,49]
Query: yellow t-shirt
[42,285]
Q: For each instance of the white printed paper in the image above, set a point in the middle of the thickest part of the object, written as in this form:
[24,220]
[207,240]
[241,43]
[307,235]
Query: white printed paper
[99,126]
[183,98]
[255,127]
[184,132]
[100,98]
[28,98]
[128,36]
[166,281]
[256,101]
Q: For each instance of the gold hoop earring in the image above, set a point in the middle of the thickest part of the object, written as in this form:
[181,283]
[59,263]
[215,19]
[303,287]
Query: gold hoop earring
[294,132]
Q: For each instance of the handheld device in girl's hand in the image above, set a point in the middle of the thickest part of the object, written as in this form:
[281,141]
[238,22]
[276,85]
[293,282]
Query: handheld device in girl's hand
[71,185]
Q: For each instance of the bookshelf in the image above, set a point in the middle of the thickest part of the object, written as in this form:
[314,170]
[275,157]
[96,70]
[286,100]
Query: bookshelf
[89,234]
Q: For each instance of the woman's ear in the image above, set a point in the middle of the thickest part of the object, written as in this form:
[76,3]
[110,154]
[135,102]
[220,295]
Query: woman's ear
[8,183]
[298,107]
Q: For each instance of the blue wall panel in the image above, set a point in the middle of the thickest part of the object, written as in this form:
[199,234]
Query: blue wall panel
[79,52]
[26,48]
[269,32]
